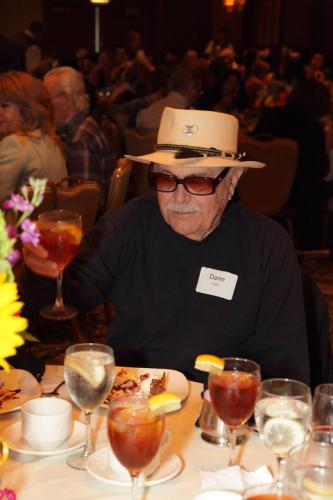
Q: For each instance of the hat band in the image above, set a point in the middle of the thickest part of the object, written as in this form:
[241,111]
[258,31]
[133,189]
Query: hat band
[183,151]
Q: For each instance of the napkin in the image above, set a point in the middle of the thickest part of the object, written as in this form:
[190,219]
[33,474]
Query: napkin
[234,478]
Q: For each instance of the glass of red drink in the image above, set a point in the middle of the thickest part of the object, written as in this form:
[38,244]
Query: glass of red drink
[60,234]
[272,491]
[135,434]
[233,392]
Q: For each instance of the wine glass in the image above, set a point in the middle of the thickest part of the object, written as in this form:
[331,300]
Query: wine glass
[89,375]
[283,416]
[322,417]
[233,392]
[60,234]
[135,434]
[310,467]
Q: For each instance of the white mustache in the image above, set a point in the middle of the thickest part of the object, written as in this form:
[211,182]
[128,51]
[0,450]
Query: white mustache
[183,208]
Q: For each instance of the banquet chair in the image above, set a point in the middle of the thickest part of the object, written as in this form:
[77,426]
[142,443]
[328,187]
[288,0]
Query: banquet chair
[72,194]
[113,134]
[119,184]
[139,142]
[266,190]
[317,320]
[116,197]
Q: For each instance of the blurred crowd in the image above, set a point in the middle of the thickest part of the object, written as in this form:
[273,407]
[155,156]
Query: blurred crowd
[276,91]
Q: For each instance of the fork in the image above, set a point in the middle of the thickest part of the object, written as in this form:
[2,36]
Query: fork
[54,392]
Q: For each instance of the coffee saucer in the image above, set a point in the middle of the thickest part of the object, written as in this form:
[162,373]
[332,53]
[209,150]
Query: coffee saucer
[12,434]
[99,467]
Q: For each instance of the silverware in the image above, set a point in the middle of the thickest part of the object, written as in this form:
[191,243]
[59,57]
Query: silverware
[54,392]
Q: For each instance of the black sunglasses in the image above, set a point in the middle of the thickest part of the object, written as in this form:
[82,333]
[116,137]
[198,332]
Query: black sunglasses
[199,186]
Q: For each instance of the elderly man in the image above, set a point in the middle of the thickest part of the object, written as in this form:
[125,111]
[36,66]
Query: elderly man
[191,271]
[184,92]
[88,152]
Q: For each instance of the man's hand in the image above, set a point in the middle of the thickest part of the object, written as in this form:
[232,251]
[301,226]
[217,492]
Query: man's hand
[35,257]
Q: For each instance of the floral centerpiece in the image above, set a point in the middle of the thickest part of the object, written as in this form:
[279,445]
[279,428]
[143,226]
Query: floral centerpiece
[15,225]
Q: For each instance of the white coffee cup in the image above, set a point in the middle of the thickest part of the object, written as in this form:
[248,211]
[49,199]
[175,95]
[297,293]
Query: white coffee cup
[123,473]
[46,422]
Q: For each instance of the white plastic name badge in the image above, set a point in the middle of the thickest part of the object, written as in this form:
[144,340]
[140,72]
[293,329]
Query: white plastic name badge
[214,282]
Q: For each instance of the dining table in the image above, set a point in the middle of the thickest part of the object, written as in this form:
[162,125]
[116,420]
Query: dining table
[50,478]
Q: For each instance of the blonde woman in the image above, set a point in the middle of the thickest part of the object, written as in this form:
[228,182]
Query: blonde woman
[28,146]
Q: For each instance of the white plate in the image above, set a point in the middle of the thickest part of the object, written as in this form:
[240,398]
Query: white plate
[176,381]
[19,379]
[12,434]
[98,466]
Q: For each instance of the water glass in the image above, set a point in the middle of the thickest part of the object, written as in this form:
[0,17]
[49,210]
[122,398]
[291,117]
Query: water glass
[283,416]
[89,376]
[310,468]
[323,407]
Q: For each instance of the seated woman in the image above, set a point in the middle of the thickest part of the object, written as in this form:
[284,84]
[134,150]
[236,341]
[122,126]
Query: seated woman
[232,98]
[28,144]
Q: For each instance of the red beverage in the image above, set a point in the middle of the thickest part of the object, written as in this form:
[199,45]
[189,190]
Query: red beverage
[135,438]
[61,240]
[272,496]
[324,428]
[233,395]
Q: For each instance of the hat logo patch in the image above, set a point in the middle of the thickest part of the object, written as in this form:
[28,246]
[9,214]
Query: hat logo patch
[190,130]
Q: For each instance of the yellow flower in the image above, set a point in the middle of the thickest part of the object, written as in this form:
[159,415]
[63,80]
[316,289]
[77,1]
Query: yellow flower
[10,321]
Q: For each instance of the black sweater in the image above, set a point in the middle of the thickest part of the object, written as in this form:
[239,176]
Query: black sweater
[150,273]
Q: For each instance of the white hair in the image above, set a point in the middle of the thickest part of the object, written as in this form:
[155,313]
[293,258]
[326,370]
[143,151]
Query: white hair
[71,82]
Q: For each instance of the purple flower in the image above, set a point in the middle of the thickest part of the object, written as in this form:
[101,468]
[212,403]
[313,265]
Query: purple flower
[18,202]
[6,494]
[11,231]
[13,257]
[30,232]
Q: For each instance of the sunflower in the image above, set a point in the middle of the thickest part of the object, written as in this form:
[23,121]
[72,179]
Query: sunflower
[10,320]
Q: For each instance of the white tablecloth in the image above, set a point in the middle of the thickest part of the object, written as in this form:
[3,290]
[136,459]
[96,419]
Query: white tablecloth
[49,478]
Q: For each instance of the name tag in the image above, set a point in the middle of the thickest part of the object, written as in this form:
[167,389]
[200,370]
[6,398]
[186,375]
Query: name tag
[214,282]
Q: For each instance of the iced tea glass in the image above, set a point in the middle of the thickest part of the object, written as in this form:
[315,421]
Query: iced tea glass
[60,234]
[233,393]
[272,491]
[135,434]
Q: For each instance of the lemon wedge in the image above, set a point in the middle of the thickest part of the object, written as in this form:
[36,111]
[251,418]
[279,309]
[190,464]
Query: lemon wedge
[4,451]
[322,490]
[94,375]
[208,362]
[281,434]
[164,403]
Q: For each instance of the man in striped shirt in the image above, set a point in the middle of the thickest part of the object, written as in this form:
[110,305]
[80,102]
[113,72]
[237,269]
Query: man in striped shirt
[88,153]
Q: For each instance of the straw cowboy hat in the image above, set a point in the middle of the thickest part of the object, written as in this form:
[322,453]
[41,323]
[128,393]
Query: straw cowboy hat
[197,138]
